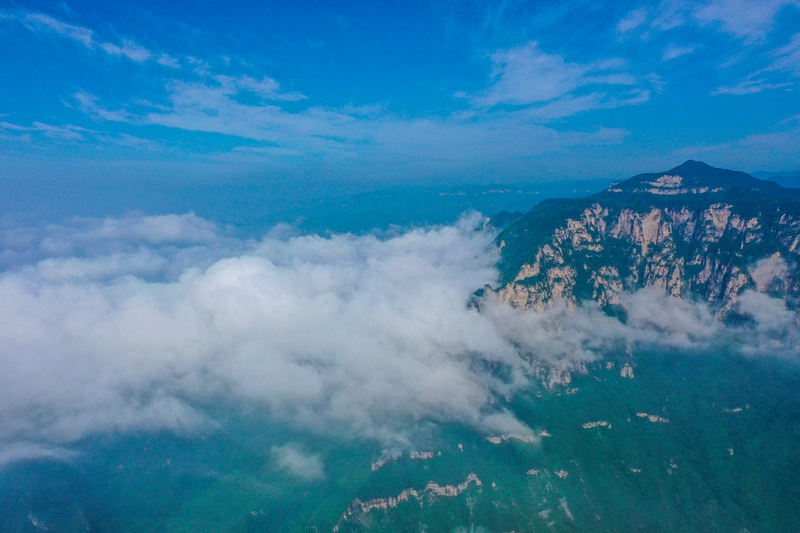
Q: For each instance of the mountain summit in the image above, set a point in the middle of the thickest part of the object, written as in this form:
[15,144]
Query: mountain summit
[698,178]
[691,231]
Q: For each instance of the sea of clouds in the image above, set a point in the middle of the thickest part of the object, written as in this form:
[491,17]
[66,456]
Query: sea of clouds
[141,322]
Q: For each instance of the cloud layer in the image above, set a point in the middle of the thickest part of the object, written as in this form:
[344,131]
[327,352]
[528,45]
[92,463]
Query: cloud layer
[141,322]
[352,331]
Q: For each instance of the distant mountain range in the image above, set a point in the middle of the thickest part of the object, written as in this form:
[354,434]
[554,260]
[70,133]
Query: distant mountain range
[786,179]
[692,231]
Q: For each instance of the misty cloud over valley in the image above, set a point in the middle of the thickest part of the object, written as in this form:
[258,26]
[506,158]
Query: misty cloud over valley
[141,323]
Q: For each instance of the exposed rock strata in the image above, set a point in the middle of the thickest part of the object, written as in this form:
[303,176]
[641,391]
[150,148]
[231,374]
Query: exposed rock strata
[694,231]
[653,418]
[432,490]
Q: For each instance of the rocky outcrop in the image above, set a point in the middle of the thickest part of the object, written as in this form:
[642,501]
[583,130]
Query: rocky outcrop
[691,231]
[652,418]
[380,463]
[431,490]
[529,439]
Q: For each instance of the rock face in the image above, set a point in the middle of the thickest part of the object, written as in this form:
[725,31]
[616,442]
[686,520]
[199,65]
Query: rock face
[693,231]
[431,490]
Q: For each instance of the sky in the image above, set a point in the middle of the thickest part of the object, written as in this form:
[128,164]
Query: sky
[395,93]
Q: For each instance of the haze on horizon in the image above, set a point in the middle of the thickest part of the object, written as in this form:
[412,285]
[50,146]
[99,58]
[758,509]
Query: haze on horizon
[416,92]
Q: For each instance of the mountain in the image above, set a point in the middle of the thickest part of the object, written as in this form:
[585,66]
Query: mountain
[786,179]
[691,231]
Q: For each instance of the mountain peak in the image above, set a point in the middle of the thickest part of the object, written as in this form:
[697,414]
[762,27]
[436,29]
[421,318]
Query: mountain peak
[690,165]
[693,177]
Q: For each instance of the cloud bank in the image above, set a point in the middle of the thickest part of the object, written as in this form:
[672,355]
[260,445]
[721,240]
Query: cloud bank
[144,322]
[346,331]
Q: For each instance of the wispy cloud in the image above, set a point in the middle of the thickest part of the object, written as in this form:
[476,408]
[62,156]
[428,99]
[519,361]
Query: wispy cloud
[749,86]
[65,132]
[88,103]
[527,75]
[673,51]
[266,88]
[782,68]
[744,19]
[649,19]
[772,150]
[27,451]
[38,133]
[241,117]
[570,105]
[129,49]
[41,23]
[264,121]
[671,14]
[787,58]
[214,105]
[633,20]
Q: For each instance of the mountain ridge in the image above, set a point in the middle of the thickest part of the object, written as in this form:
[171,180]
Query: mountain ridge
[699,174]
[692,231]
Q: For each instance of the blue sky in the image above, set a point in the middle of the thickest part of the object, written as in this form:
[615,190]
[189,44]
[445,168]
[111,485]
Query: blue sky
[408,92]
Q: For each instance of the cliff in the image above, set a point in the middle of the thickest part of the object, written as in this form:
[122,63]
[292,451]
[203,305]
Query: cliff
[692,231]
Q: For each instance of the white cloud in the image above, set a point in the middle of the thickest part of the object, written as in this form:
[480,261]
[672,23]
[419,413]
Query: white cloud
[353,332]
[131,50]
[746,19]
[633,20]
[255,108]
[672,14]
[41,23]
[646,20]
[88,103]
[673,51]
[290,458]
[787,57]
[65,132]
[749,20]
[769,272]
[26,451]
[749,86]
[168,61]
[266,88]
[212,106]
[527,75]
[569,105]
[674,322]
[155,245]
[371,134]
[142,264]
[784,60]
[148,230]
